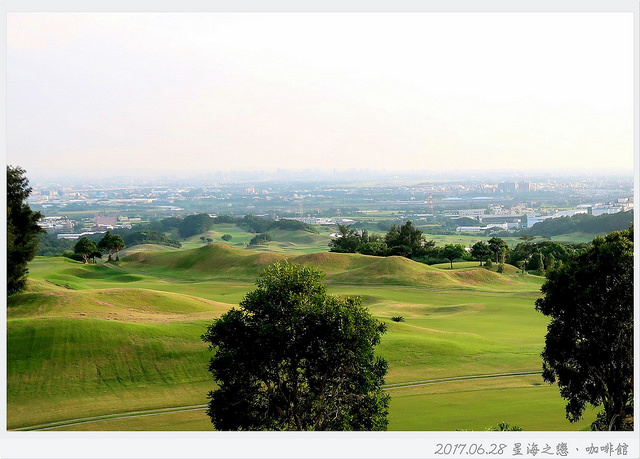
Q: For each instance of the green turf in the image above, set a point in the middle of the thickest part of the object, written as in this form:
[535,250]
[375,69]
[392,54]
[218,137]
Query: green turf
[89,340]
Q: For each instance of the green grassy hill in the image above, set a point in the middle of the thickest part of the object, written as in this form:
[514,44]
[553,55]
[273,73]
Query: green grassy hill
[223,261]
[88,340]
[86,352]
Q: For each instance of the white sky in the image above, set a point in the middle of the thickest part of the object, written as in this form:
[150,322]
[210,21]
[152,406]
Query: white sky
[394,91]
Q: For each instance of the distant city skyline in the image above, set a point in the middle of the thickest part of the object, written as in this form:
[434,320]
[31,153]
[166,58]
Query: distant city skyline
[108,93]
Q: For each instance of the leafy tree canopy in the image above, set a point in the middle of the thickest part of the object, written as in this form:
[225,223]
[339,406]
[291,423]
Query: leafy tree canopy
[262,238]
[480,251]
[195,224]
[407,241]
[582,222]
[22,229]
[589,343]
[111,243]
[149,237]
[293,357]
[497,246]
[86,248]
[452,252]
[347,241]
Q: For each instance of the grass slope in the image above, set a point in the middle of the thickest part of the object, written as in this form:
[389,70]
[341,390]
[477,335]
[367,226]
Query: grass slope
[88,340]
[94,349]
[223,261]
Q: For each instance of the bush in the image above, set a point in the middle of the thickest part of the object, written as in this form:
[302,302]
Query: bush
[488,264]
[226,237]
[397,319]
[262,238]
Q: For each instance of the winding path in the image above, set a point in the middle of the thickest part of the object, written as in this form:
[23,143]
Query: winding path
[177,409]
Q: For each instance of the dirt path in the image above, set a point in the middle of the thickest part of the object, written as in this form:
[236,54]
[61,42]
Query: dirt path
[154,412]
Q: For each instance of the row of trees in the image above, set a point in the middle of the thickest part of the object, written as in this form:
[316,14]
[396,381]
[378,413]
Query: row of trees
[584,223]
[408,241]
[199,223]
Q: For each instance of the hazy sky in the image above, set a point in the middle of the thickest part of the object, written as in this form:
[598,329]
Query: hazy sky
[394,91]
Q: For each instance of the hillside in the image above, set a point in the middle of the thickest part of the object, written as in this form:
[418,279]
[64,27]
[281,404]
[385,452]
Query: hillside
[224,262]
[123,304]
[582,223]
[99,339]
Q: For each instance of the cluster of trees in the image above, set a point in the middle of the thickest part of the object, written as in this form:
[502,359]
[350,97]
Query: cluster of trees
[88,250]
[50,246]
[406,240]
[543,256]
[149,237]
[199,223]
[262,238]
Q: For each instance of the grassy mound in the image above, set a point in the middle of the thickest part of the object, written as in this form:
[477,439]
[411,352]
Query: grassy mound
[224,261]
[214,260]
[128,305]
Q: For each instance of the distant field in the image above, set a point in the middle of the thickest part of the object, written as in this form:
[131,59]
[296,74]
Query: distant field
[90,340]
[575,238]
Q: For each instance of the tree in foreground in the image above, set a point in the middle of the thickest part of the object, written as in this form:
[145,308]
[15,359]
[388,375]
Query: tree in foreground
[22,229]
[293,357]
[589,343]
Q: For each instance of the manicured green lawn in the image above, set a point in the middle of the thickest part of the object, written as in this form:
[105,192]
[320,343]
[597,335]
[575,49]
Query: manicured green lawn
[88,340]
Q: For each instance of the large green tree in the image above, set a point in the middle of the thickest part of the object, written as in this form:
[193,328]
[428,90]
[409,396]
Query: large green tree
[497,246]
[452,252]
[22,229]
[589,343]
[480,250]
[111,243]
[346,241]
[407,241]
[293,357]
[86,248]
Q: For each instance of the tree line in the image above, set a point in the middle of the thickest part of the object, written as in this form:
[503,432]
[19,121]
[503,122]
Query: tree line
[86,250]
[200,223]
[584,223]
[408,241]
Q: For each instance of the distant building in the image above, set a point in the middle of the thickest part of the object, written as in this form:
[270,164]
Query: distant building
[605,209]
[500,219]
[478,229]
[532,220]
[106,222]
[524,187]
[471,213]
[321,220]
[569,213]
[75,236]
[56,223]
[508,187]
